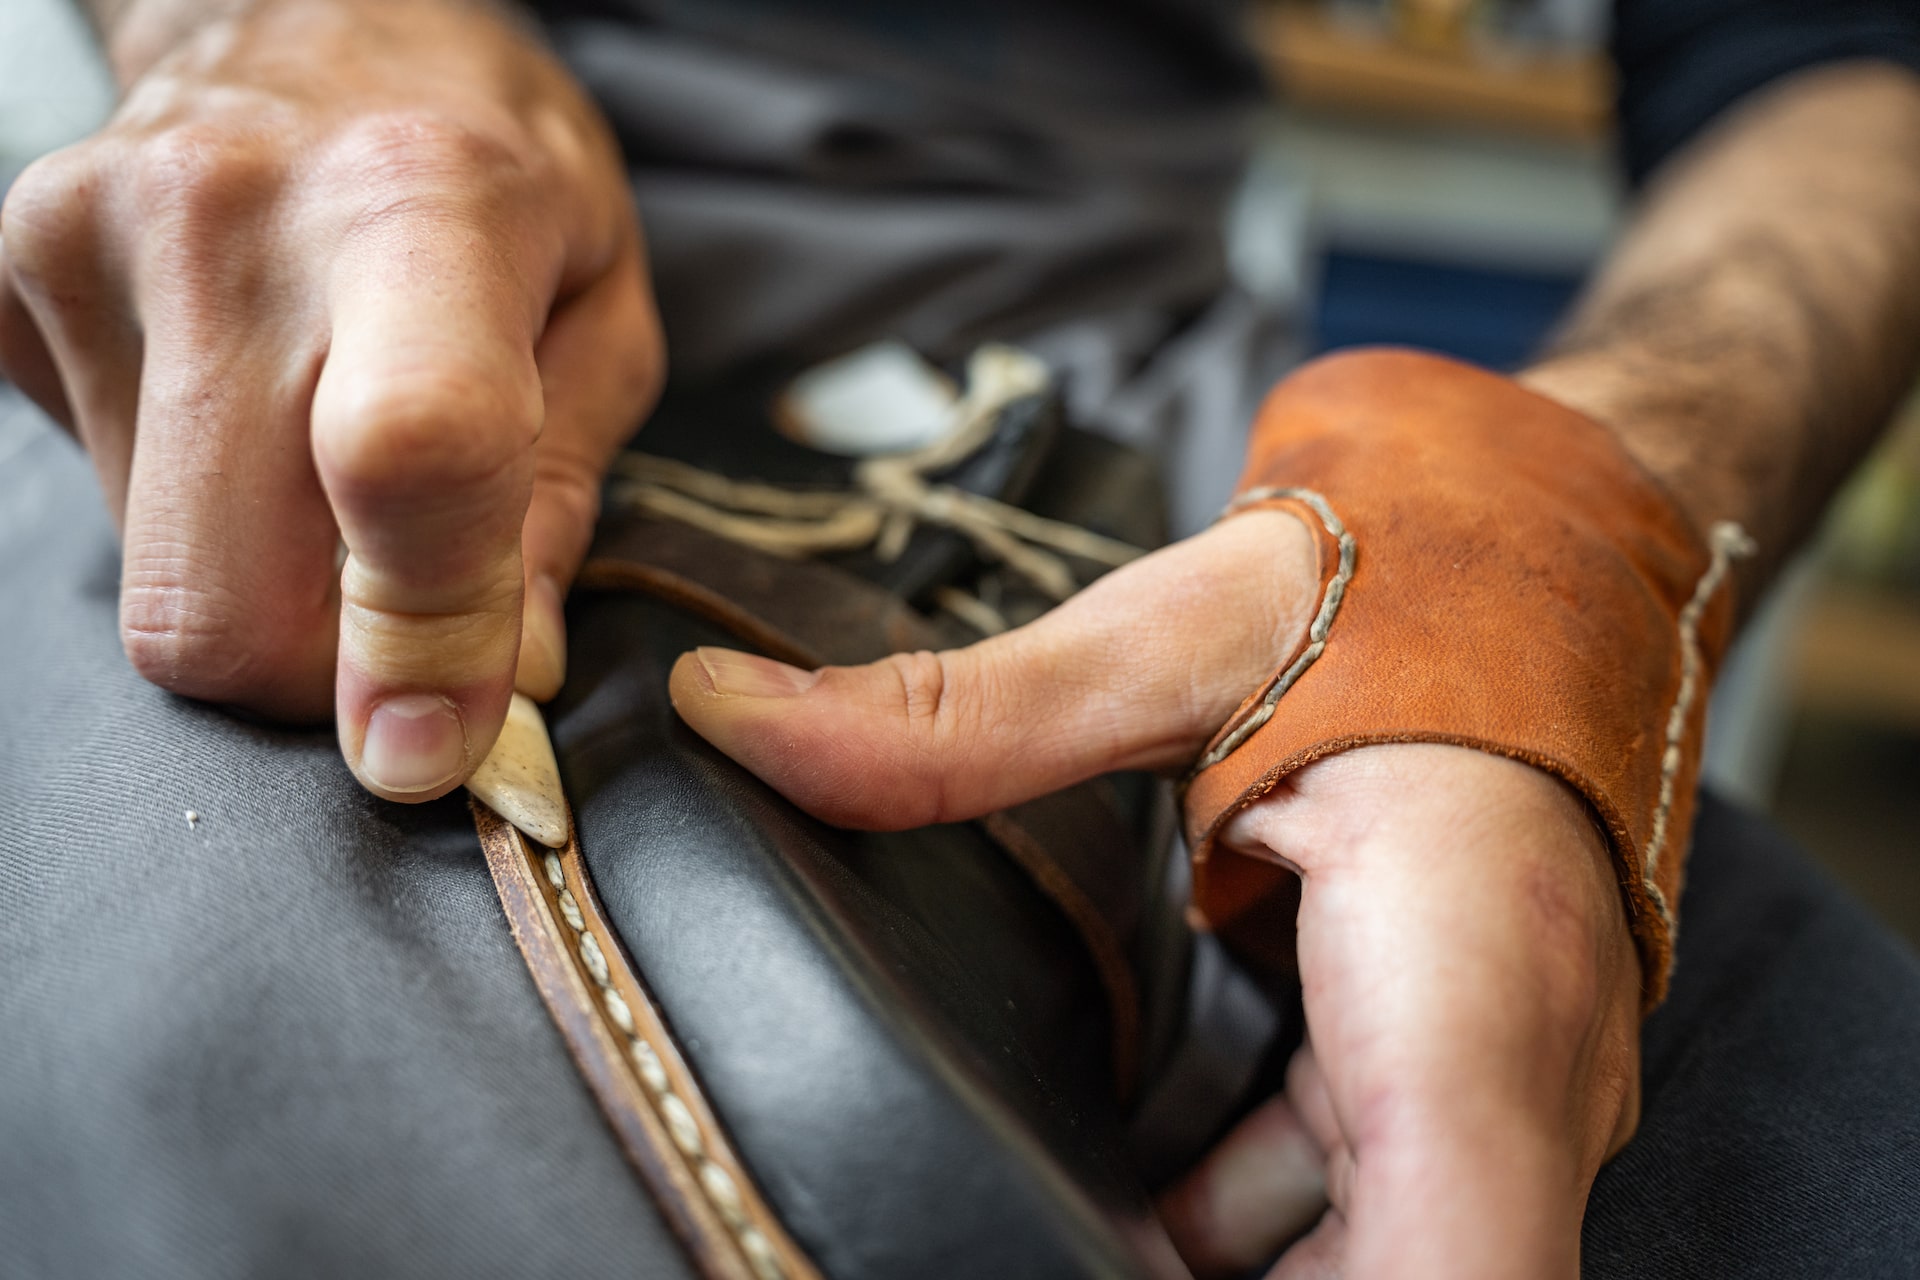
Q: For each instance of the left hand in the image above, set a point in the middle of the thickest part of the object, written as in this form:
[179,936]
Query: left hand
[349,306]
[1472,991]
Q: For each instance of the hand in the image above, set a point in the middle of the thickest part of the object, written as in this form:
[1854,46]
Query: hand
[349,307]
[1473,1007]
[1472,991]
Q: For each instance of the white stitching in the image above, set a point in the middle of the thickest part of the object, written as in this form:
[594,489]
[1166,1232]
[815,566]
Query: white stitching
[719,1187]
[1322,621]
[1729,542]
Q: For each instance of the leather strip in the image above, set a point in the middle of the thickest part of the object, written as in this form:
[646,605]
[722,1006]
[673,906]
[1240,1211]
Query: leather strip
[1116,974]
[605,573]
[627,1054]
[1336,563]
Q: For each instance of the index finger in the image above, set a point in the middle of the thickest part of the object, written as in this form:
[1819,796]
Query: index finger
[424,422]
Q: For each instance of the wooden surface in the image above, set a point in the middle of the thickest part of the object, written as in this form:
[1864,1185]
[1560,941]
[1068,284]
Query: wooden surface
[1317,62]
[1858,654]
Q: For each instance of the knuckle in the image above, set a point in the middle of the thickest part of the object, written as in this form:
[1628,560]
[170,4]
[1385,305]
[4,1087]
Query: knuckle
[569,488]
[403,161]
[444,426]
[643,375]
[923,686]
[196,643]
[47,213]
[202,175]
[1565,923]
[940,718]
[466,630]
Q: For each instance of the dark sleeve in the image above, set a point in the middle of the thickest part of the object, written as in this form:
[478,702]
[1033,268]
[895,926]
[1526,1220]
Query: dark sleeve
[1682,62]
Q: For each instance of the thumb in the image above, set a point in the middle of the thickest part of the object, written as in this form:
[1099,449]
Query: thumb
[1134,673]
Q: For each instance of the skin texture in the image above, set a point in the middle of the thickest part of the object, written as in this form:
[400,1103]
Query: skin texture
[367,272]
[1761,319]
[340,275]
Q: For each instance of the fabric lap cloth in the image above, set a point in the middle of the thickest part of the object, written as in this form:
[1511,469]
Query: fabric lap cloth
[1496,573]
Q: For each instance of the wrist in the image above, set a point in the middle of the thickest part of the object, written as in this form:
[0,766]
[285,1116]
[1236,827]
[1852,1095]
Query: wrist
[136,35]
[1662,410]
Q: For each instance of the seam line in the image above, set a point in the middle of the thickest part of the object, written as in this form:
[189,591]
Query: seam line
[716,1184]
[1336,592]
[1728,542]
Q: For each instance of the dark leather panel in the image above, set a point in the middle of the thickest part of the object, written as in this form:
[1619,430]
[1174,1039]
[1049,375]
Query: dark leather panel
[905,1038]
[1099,851]
[817,609]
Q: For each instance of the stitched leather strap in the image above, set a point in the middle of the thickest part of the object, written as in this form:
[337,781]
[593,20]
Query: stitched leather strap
[624,1050]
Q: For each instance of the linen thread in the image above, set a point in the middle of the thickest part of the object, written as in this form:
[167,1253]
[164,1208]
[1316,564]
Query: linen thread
[1322,622]
[719,1187]
[1728,542]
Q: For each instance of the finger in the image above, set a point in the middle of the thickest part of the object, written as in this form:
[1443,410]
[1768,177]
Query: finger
[424,423]
[600,369]
[66,326]
[227,576]
[228,565]
[1307,1091]
[1320,1255]
[1134,672]
[1463,955]
[1259,1188]
[24,358]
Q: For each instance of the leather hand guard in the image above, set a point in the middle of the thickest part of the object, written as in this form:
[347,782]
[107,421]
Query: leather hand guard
[1498,573]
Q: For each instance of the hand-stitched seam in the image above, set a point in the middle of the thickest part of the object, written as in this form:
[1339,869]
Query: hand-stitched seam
[1322,621]
[1729,542]
[716,1184]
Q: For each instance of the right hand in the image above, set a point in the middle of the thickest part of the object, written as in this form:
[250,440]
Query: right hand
[1471,987]
[340,277]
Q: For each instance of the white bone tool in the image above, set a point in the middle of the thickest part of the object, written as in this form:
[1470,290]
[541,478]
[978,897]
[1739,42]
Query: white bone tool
[520,779]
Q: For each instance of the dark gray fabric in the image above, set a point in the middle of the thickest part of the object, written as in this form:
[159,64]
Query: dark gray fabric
[1683,62]
[1781,1131]
[817,174]
[294,1039]
[812,178]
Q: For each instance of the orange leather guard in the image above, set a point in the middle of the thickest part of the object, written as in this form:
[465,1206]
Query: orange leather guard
[1496,572]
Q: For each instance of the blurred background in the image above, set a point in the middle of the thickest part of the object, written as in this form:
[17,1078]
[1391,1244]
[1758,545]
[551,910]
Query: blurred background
[1438,172]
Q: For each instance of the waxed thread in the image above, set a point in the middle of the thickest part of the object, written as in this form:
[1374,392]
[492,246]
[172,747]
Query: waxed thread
[716,1184]
[1728,542]
[1322,621]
